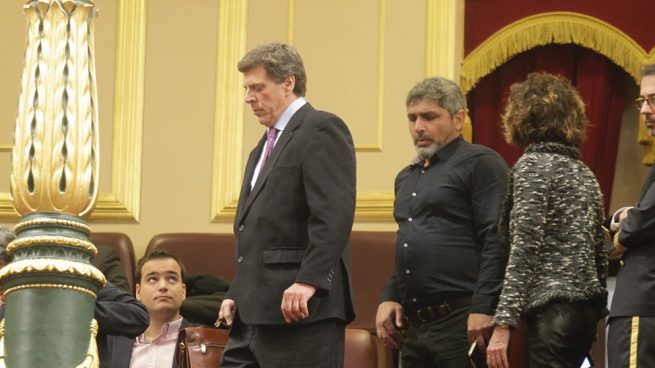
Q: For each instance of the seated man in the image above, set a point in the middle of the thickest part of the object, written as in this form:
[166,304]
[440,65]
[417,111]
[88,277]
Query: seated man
[160,287]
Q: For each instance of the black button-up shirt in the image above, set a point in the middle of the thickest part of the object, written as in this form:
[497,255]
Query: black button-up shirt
[447,242]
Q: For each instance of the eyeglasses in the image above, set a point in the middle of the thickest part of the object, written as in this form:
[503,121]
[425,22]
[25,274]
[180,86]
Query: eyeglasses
[639,103]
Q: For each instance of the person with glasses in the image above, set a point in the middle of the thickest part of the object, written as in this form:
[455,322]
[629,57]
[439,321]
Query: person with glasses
[632,313]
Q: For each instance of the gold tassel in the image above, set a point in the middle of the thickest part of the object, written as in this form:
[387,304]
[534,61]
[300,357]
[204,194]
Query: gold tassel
[92,360]
[2,343]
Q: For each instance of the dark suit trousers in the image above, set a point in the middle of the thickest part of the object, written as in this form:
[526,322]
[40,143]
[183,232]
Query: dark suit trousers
[630,342]
[319,344]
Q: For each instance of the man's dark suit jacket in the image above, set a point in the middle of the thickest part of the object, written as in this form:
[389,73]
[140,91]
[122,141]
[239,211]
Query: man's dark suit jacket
[294,225]
[635,281]
[120,349]
[118,313]
[109,263]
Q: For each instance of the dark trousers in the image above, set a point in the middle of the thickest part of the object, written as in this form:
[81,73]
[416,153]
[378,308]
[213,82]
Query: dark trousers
[560,335]
[319,344]
[441,343]
[631,342]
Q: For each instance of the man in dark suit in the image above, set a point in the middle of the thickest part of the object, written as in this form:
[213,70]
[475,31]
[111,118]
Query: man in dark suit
[109,263]
[160,288]
[290,300]
[630,340]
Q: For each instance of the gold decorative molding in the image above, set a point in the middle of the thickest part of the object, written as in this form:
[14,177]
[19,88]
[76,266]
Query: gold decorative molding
[291,16]
[379,98]
[228,123]
[40,265]
[122,203]
[52,286]
[54,165]
[444,38]
[5,147]
[48,221]
[374,206]
[554,28]
[444,44]
[51,239]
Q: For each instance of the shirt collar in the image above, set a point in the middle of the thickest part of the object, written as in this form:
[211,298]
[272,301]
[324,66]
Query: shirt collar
[284,118]
[443,153]
[168,329]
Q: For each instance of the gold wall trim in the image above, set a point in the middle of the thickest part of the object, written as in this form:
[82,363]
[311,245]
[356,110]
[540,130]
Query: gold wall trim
[5,147]
[379,98]
[228,124]
[291,15]
[444,39]
[124,201]
[122,204]
[444,44]
[553,28]
[374,206]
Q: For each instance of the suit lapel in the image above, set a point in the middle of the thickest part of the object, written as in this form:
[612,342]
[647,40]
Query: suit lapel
[285,138]
[247,177]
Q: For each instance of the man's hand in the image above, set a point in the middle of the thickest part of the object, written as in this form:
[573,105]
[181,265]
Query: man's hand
[478,324]
[226,312]
[390,324]
[497,350]
[294,301]
[624,214]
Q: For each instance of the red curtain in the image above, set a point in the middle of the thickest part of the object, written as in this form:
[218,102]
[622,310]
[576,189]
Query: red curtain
[601,85]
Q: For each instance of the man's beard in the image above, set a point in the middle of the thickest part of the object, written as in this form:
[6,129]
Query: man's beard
[424,153]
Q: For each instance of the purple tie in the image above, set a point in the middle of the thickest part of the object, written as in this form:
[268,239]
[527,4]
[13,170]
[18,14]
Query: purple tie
[270,142]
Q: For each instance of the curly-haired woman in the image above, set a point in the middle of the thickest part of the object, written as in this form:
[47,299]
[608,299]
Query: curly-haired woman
[553,215]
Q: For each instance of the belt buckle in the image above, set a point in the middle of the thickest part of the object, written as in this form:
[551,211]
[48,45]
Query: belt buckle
[444,309]
[428,318]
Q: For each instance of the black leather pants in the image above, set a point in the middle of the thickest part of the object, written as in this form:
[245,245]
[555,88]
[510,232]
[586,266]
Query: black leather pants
[559,335]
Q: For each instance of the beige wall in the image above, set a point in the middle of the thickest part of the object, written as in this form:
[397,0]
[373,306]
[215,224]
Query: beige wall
[361,58]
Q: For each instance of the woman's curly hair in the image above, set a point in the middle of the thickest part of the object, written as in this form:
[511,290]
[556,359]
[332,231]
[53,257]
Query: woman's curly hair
[544,108]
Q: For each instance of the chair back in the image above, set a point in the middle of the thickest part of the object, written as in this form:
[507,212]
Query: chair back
[201,253]
[122,244]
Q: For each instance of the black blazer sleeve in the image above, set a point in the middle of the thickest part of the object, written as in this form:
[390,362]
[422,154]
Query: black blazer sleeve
[119,313]
[329,179]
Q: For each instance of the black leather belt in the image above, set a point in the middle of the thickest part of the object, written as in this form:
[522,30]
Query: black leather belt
[434,312]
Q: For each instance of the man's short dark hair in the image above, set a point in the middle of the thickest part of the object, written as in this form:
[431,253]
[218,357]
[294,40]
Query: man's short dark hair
[647,70]
[6,237]
[443,91]
[280,61]
[157,254]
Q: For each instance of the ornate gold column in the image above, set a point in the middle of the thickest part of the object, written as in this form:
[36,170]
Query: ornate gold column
[51,286]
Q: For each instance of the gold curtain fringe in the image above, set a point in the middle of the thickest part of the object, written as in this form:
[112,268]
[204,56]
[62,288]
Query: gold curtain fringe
[559,28]
[552,28]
